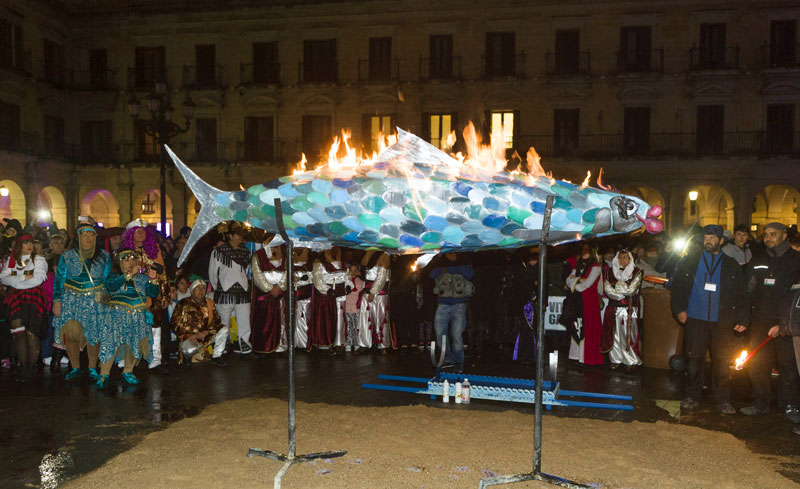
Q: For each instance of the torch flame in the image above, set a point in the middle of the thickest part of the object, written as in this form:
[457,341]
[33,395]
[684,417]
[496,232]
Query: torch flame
[301,167]
[740,361]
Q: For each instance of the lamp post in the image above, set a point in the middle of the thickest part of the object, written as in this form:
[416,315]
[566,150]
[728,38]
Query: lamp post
[161,127]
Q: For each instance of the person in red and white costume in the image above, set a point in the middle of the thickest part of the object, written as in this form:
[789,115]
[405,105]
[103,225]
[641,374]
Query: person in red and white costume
[327,328]
[23,273]
[374,326]
[268,333]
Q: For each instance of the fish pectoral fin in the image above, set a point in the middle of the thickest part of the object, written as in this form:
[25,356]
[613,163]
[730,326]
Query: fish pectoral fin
[602,221]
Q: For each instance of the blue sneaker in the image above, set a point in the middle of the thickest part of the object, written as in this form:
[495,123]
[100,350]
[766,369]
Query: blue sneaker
[129,378]
[74,374]
[102,382]
[94,374]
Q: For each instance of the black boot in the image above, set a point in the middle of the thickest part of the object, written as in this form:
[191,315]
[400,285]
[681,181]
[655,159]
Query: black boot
[55,360]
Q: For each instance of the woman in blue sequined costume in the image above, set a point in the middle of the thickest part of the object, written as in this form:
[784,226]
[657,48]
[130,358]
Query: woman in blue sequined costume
[79,319]
[130,335]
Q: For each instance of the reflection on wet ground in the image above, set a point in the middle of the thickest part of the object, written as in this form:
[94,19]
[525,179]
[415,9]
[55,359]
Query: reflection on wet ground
[52,430]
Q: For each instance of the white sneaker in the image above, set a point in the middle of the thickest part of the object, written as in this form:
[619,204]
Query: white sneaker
[64,360]
[46,361]
[348,348]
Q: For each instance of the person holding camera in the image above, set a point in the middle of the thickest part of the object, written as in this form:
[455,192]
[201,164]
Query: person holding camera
[453,288]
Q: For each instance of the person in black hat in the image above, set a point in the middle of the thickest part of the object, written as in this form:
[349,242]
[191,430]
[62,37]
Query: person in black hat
[708,298]
[770,276]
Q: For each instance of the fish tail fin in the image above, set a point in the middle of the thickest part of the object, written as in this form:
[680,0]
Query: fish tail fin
[206,195]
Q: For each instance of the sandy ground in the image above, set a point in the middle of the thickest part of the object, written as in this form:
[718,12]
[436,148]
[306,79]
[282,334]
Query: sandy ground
[426,447]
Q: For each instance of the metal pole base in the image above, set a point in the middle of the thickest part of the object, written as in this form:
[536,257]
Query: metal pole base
[287,461]
[537,476]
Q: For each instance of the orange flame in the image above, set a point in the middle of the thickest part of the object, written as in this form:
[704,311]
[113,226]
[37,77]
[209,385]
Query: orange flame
[301,166]
[586,180]
[600,182]
[740,361]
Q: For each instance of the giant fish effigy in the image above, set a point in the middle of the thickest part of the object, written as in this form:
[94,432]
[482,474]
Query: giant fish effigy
[415,198]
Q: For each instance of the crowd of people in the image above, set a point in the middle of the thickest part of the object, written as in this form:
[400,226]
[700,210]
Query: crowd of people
[119,296]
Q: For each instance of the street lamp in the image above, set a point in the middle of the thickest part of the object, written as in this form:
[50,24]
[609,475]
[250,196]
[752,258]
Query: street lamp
[161,127]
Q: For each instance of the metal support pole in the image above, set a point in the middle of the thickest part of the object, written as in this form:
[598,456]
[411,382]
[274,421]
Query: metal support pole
[164,161]
[291,458]
[537,473]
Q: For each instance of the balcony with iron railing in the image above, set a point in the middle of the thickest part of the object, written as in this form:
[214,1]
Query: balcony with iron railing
[506,67]
[259,74]
[663,145]
[202,77]
[269,151]
[724,58]
[440,68]
[638,62]
[97,80]
[16,60]
[142,152]
[210,152]
[53,73]
[99,154]
[780,56]
[566,65]
[144,77]
[326,71]
[378,70]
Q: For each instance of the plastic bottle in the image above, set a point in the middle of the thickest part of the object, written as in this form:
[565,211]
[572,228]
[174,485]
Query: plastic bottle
[446,391]
[459,393]
[465,392]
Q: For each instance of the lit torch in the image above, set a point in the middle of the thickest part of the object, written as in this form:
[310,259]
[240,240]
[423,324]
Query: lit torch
[744,357]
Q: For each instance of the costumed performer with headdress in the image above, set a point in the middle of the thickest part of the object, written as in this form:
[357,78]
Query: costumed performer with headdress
[303,287]
[79,286]
[129,335]
[198,325]
[620,324]
[140,237]
[228,276]
[269,300]
[24,273]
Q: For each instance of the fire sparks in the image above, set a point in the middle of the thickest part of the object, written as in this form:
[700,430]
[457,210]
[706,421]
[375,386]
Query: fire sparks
[740,361]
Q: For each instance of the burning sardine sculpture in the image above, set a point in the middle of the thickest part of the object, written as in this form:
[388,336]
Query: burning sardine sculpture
[415,198]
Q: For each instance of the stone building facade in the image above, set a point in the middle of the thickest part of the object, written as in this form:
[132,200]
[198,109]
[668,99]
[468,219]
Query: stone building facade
[672,99]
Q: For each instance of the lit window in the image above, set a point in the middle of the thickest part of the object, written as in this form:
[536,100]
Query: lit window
[379,125]
[440,127]
[503,123]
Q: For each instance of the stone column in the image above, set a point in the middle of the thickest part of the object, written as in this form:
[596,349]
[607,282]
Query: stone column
[675,198]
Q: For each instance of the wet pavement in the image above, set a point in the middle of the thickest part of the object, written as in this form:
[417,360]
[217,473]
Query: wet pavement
[52,431]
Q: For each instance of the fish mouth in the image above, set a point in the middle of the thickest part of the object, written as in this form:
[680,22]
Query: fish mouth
[651,220]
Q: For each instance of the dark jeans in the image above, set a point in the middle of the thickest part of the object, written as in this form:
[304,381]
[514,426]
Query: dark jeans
[779,349]
[699,336]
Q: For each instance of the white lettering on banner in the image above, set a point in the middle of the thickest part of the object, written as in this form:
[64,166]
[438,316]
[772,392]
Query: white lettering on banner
[553,312]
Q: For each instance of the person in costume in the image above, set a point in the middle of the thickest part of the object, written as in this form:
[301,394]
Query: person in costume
[228,275]
[140,237]
[327,327]
[303,287]
[356,289]
[586,278]
[524,350]
[195,320]
[621,322]
[24,273]
[80,282]
[375,327]
[269,299]
[129,335]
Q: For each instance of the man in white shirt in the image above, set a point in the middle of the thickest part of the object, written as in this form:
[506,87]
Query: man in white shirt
[228,272]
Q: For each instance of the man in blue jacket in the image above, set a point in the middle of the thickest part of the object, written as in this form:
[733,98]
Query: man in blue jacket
[709,298]
[453,289]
